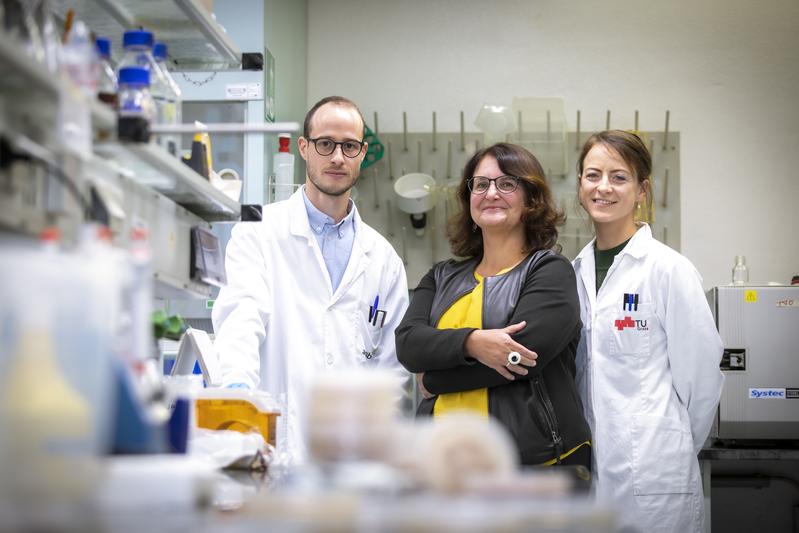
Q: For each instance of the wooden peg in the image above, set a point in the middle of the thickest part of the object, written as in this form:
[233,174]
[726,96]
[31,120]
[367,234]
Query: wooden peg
[377,130]
[418,156]
[390,166]
[666,131]
[434,131]
[636,120]
[607,120]
[389,219]
[376,191]
[665,188]
[549,124]
[577,136]
[404,131]
[449,160]
[405,245]
[463,136]
[520,125]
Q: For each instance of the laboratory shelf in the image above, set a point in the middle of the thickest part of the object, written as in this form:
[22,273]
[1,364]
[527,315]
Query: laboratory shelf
[193,36]
[152,166]
[21,72]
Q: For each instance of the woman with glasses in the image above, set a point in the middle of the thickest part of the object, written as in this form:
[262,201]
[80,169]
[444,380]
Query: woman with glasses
[496,333]
[648,362]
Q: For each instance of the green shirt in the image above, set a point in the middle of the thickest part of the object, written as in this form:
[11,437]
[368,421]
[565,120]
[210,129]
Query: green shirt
[603,259]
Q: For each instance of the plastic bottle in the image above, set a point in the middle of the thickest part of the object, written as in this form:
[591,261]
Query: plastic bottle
[740,273]
[283,166]
[80,59]
[46,457]
[136,106]
[173,109]
[138,46]
[107,84]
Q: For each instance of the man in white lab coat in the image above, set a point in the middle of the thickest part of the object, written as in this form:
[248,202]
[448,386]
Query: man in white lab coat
[311,288]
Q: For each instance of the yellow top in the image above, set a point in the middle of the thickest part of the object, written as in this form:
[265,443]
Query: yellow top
[467,312]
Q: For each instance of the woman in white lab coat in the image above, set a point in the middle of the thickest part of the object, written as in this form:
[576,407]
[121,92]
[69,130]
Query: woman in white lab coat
[648,359]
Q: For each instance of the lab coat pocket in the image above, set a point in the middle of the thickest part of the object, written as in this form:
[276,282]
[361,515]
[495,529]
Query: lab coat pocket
[630,331]
[369,334]
[662,452]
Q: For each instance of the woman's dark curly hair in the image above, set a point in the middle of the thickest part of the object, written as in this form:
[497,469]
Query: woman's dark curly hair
[541,217]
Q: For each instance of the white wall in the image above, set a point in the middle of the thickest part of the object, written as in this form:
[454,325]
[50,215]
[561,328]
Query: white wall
[285,25]
[727,69]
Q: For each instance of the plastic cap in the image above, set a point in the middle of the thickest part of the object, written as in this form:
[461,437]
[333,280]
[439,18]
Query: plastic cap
[137,38]
[134,76]
[104,234]
[159,51]
[139,234]
[103,47]
[284,139]
[51,234]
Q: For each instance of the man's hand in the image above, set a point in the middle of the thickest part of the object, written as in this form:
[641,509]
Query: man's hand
[420,383]
[492,346]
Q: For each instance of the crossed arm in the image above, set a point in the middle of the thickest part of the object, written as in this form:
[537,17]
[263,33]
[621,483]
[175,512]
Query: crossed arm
[454,360]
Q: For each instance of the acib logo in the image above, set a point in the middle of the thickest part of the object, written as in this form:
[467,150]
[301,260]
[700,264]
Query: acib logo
[628,322]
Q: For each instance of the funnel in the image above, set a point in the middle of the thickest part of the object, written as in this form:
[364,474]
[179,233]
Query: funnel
[416,196]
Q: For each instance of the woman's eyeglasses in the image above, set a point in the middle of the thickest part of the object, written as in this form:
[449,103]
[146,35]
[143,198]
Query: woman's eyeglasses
[326,146]
[481,184]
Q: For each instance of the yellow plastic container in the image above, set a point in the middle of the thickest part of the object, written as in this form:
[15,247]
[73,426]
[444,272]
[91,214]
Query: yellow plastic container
[239,410]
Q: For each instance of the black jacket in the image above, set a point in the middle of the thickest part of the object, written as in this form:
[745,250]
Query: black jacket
[542,410]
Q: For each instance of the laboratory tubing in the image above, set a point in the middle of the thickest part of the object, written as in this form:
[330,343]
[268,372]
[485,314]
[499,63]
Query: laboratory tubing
[136,106]
[283,167]
[107,84]
[173,106]
[740,273]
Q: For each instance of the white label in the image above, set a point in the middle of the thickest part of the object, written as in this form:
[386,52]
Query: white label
[243,91]
[788,302]
[766,393]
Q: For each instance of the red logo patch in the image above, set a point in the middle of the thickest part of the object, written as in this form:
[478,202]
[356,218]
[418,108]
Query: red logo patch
[628,322]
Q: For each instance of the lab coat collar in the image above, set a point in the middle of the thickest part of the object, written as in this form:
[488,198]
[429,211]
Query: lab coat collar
[637,247]
[300,226]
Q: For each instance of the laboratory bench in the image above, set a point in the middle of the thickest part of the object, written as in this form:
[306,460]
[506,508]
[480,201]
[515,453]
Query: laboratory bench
[182,493]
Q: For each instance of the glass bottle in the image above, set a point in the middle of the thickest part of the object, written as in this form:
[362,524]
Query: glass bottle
[107,84]
[138,46]
[173,105]
[136,107]
[740,274]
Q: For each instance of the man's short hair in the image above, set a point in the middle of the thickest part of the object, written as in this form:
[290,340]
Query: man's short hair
[338,100]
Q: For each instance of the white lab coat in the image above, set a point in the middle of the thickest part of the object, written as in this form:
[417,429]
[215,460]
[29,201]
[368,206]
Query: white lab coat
[650,382]
[279,324]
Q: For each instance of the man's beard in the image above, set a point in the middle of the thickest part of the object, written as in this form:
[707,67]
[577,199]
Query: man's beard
[330,191]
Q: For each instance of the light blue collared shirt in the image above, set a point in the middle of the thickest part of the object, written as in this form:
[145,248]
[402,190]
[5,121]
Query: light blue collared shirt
[335,240]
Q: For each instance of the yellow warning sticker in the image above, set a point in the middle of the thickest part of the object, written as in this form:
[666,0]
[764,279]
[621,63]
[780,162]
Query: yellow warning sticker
[750,296]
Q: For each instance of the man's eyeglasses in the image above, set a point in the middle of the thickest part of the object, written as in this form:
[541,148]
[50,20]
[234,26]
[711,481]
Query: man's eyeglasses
[326,146]
[481,184]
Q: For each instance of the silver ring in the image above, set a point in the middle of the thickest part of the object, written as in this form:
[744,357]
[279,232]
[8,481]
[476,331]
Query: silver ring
[514,358]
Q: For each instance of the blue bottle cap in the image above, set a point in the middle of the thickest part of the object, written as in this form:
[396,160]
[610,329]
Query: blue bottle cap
[134,76]
[159,51]
[137,38]
[103,47]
